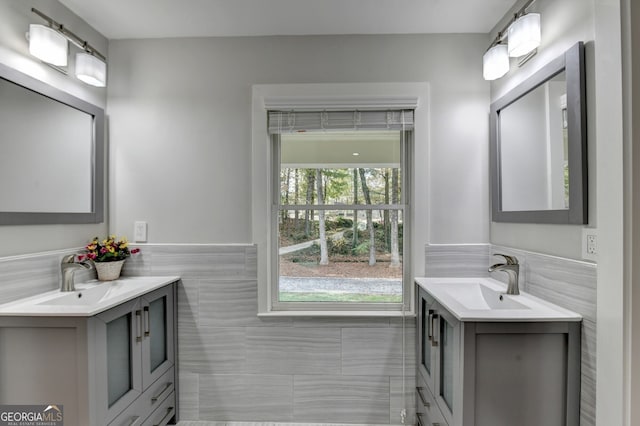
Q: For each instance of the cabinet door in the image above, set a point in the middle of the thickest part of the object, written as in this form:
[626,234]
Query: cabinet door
[448,361]
[158,334]
[426,350]
[118,346]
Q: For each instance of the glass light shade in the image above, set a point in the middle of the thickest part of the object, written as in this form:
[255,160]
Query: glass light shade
[91,70]
[48,45]
[524,34]
[495,62]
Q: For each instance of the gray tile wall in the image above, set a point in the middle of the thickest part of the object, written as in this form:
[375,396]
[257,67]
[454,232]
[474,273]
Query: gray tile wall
[566,282]
[24,276]
[234,366]
[457,260]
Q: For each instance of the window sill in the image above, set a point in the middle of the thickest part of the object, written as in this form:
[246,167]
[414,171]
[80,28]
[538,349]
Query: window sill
[339,314]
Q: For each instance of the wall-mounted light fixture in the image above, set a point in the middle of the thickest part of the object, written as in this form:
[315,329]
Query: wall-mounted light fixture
[50,44]
[522,35]
[91,70]
[495,62]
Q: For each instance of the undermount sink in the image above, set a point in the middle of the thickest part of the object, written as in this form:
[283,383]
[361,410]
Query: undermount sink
[485,299]
[474,296]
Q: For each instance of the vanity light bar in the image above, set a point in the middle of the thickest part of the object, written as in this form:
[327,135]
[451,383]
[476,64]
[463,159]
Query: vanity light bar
[73,38]
[91,66]
[522,35]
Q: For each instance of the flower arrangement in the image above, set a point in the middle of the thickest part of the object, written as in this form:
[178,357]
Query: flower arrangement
[108,250]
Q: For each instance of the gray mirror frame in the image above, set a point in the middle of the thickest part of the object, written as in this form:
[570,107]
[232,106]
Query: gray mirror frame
[572,61]
[97,213]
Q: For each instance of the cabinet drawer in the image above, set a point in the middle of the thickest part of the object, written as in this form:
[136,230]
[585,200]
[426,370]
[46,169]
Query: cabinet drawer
[165,412]
[157,392]
[132,416]
[424,419]
[149,401]
[427,412]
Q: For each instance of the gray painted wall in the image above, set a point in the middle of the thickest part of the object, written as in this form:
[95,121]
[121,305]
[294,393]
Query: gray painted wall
[15,17]
[563,24]
[180,120]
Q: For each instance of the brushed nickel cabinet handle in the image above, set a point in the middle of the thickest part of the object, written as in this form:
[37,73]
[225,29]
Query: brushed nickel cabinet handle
[434,342]
[422,398]
[156,397]
[166,417]
[138,325]
[147,330]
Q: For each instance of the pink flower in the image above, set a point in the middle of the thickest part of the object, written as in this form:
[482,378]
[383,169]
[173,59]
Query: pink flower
[103,250]
[135,250]
[80,257]
[92,256]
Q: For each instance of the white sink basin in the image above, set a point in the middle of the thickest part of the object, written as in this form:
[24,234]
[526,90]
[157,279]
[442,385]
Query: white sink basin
[476,296]
[89,296]
[485,299]
[89,299]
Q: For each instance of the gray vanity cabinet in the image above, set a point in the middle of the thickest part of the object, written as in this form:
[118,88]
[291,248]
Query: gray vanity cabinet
[135,349]
[438,354]
[473,373]
[113,368]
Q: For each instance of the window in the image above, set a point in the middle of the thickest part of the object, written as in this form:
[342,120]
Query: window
[340,217]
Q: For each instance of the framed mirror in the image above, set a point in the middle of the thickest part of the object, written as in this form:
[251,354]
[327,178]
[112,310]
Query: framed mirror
[51,154]
[538,143]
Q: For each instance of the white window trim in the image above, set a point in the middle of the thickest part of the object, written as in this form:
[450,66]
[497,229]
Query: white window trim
[340,95]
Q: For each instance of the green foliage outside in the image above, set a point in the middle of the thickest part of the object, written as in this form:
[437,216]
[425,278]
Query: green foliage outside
[341,248]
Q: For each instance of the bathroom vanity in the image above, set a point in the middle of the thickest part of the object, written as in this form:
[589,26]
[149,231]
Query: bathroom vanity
[490,359]
[106,352]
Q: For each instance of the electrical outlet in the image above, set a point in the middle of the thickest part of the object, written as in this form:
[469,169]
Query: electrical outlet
[590,244]
[140,232]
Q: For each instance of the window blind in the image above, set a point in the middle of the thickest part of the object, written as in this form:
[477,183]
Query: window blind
[313,121]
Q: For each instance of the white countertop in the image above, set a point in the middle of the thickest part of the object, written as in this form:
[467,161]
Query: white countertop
[89,299]
[484,299]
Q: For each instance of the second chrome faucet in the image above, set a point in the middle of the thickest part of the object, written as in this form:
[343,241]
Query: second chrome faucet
[512,269]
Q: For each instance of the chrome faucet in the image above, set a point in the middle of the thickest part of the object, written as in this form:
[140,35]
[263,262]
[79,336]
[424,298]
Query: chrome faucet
[68,266]
[512,268]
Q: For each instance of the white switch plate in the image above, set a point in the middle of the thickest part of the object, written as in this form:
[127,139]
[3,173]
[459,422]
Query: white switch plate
[590,244]
[140,232]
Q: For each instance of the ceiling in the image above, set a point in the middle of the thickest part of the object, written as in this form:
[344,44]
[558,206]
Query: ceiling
[123,19]
[360,148]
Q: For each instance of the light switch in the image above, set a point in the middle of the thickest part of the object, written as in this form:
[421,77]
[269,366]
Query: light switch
[140,232]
